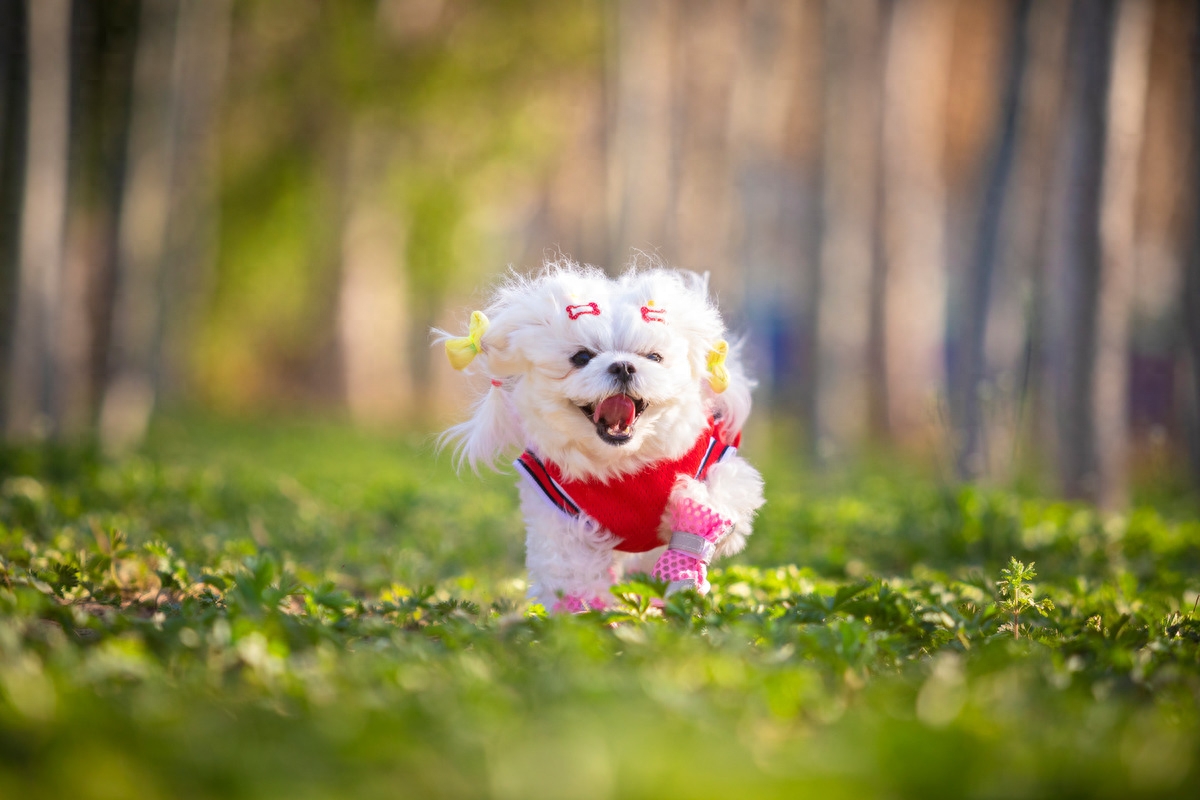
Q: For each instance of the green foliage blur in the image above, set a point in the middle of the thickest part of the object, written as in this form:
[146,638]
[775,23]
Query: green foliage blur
[269,609]
[441,117]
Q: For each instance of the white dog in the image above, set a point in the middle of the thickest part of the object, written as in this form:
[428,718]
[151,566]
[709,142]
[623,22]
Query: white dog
[628,405]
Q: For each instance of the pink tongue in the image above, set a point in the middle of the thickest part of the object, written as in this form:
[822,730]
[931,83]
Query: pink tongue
[615,411]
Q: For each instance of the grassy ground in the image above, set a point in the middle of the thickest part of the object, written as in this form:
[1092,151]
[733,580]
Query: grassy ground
[303,611]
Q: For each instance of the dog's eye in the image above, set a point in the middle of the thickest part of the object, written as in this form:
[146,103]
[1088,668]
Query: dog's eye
[582,358]
[654,357]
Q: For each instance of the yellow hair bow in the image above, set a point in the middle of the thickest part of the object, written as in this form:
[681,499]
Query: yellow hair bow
[718,375]
[463,350]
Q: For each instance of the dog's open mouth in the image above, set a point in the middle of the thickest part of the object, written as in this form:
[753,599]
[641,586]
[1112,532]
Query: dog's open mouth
[614,417]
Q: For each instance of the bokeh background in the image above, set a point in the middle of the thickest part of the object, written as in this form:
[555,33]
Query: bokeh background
[962,232]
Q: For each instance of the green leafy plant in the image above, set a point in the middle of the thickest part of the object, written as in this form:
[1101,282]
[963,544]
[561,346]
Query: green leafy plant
[1017,595]
[267,611]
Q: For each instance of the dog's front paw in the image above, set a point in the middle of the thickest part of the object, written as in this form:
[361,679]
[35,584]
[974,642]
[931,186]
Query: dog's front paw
[681,571]
[696,529]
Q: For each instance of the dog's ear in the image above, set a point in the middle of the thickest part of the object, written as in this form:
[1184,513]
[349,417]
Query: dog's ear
[501,351]
[730,393]
[695,315]
[716,364]
[488,348]
[491,429]
[718,373]
[490,339]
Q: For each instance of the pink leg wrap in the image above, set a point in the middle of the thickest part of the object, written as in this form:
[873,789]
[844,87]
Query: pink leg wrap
[574,604]
[685,562]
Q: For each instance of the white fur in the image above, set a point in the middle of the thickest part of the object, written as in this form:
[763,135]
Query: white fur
[528,349]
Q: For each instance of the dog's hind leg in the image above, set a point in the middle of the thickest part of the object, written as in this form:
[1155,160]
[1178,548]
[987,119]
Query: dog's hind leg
[570,560]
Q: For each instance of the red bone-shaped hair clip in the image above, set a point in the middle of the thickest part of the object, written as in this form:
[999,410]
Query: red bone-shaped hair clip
[575,312]
[650,314]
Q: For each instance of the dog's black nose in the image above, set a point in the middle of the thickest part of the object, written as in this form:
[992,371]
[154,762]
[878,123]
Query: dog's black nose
[622,370]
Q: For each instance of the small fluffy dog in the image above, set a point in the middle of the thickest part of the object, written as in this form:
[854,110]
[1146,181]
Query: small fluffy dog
[628,404]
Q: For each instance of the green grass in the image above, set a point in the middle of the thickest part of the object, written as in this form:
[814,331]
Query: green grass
[280,609]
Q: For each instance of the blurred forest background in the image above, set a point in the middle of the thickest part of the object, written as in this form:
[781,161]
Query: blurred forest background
[963,231]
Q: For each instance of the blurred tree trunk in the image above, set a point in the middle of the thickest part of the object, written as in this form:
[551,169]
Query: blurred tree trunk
[202,41]
[640,171]
[128,396]
[1074,310]
[969,331]
[1126,118]
[14,74]
[1159,381]
[850,204]
[372,298]
[806,142]
[180,55]
[812,227]
[105,88]
[709,66]
[1017,317]
[916,80]
[35,401]
[573,201]
[879,429]
[1191,278]
[766,187]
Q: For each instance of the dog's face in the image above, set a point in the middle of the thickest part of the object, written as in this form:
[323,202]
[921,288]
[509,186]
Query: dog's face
[605,375]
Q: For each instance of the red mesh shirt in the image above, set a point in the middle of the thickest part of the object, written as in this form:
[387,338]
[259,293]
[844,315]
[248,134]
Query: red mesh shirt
[631,506]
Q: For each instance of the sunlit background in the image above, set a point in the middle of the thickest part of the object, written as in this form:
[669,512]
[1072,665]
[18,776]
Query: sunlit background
[954,230]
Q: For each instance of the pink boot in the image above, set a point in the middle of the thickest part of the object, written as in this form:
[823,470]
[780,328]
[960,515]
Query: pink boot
[696,531]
